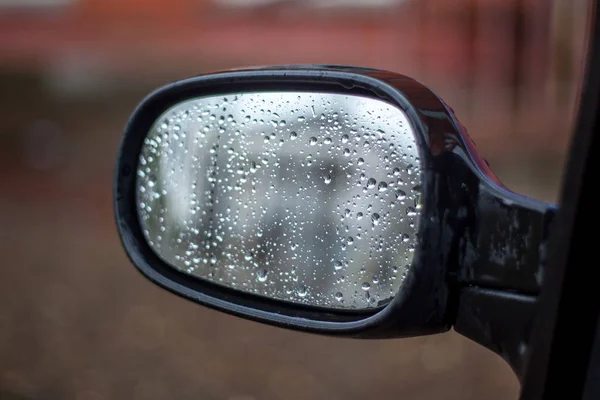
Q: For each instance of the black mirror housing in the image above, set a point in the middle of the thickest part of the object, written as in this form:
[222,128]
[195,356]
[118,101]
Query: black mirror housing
[474,233]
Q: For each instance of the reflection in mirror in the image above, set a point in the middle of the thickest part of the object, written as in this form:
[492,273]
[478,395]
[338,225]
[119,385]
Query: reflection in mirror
[312,198]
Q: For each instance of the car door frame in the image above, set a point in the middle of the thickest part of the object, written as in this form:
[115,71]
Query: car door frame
[563,360]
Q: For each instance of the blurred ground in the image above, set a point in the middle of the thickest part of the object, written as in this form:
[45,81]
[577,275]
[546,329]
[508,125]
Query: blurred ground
[78,322]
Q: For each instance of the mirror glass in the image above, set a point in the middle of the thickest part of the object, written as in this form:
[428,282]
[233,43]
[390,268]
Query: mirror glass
[312,198]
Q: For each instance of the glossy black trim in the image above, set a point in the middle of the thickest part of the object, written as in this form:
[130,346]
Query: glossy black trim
[504,244]
[460,197]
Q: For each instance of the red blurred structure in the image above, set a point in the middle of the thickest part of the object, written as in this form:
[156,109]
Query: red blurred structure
[495,54]
[439,35]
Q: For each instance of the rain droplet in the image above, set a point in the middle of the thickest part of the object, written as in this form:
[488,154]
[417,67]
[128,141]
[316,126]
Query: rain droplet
[327,179]
[371,183]
[262,275]
[302,291]
[312,141]
[293,136]
[382,187]
[339,296]
[365,286]
[375,218]
[400,195]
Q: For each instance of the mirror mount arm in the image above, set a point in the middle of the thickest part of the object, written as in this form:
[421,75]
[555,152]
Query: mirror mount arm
[503,242]
[500,270]
[498,320]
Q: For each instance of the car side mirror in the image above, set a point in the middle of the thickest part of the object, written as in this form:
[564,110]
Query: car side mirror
[338,200]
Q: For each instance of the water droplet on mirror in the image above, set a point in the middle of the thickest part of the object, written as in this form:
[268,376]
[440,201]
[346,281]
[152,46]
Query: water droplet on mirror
[339,296]
[375,218]
[371,183]
[382,187]
[312,141]
[302,291]
[293,135]
[365,286]
[262,275]
[327,179]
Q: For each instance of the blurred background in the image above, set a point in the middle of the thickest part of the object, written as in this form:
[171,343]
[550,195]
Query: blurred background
[78,322]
